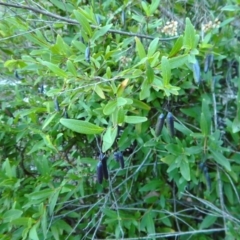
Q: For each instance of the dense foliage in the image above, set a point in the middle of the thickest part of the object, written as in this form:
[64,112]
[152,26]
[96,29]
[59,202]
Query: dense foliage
[156,82]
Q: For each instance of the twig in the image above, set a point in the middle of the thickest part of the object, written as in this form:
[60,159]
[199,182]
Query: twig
[75,22]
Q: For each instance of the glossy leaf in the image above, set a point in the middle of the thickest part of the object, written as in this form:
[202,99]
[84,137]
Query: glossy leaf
[54,68]
[101,32]
[81,126]
[71,68]
[140,48]
[219,158]
[153,47]
[185,169]
[208,221]
[83,21]
[110,107]
[109,138]
[189,35]
[166,70]
[176,47]
[135,119]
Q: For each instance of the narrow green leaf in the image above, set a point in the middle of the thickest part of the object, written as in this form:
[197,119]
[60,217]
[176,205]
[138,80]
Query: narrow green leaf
[33,232]
[81,126]
[140,49]
[98,90]
[41,195]
[219,158]
[71,68]
[54,68]
[178,61]
[12,214]
[63,5]
[121,101]
[154,5]
[184,169]
[208,221]
[109,138]
[189,35]
[205,119]
[134,119]
[100,32]
[205,125]
[150,74]
[146,8]
[153,47]
[166,70]
[61,45]
[176,47]
[48,120]
[53,200]
[145,90]
[109,213]
[110,107]
[140,105]
[83,21]
[121,115]
[230,8]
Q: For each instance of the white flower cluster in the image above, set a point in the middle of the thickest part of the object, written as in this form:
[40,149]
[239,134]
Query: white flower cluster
[170,28]
[211,25]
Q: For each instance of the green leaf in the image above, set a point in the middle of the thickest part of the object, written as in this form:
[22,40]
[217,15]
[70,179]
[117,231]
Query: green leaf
[120,115]
[12,214]
[207,222]
[177,46]
[135,119]
[110,107]
[62,46]
[98,90]
[48,120]
[54,68]
[140,105]
[71,68]
[81,126]
[178,61]
[41,195]
[121,101]
[147,223]
[63,5]
[109,138]
[184,169]
[166,71]
[145,90]
[146,8]
[230,8]
[33,232]
[53,200]
[83,21]
[154,5]
[219,158]
[153,185]
[140,49]
[150,74]
[205,119]
[189,35]
[100,32]
[153,47]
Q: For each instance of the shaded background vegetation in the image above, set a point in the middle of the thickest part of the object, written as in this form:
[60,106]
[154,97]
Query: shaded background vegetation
[119,65]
